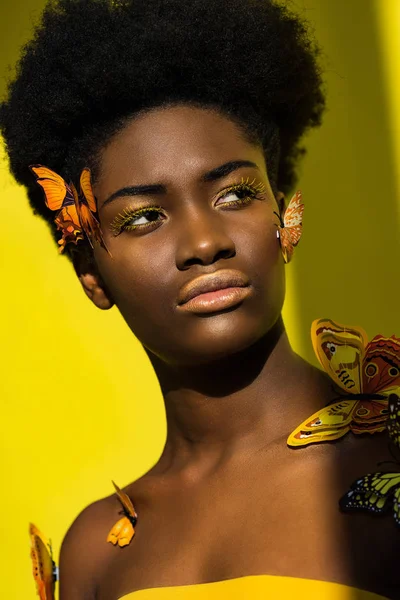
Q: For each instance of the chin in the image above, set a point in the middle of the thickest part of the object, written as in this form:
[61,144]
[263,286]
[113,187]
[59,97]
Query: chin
[214,338]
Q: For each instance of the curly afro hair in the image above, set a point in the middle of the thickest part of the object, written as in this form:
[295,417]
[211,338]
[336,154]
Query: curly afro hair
[92,64]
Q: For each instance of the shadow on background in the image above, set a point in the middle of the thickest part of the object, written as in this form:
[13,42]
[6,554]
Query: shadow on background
[347,267]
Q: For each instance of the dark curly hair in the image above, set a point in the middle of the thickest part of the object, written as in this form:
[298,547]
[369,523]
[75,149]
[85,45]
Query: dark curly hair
[93,64]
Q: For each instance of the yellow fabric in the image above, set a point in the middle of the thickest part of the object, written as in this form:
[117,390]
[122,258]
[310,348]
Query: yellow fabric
[257,587]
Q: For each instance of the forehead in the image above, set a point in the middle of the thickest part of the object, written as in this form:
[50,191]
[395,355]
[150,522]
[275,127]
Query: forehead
[181,140]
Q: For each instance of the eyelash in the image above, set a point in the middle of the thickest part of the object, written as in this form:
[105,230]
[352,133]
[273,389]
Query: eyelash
[252,191]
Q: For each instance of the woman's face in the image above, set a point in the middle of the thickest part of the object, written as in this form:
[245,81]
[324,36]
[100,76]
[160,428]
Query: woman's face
[190,215]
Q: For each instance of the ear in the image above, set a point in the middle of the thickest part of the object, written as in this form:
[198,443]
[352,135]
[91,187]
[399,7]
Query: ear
[91,280]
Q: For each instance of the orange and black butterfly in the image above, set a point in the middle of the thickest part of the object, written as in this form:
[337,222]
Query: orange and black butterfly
[366,372]
[379,492]
[44,567]
[124,530]
[290,226]
[76,211]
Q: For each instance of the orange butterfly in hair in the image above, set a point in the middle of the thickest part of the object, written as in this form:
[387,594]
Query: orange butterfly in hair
[366,372]
[124,530]
[290,227]
[75,210]
[44,567]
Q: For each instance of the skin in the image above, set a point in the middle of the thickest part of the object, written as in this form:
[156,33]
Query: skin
[227,497]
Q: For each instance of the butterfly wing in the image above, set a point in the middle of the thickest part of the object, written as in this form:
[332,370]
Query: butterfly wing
[370,416]
[291,230]
[125,501]
[381,369]
[57,192]
[373,493]
[340,351]
[87,191]
[59,196]
[393,424]
[87,209]
[124,530]
[293,216]
[328,424]
[396,506]
[44,569]
[121,533]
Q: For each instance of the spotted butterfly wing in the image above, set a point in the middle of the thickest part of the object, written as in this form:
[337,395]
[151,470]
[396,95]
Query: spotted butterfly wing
[340,351]
[381,366]
[325,425]
[290,228]
[124,530]
[373,493]
[393,423]
[44,567]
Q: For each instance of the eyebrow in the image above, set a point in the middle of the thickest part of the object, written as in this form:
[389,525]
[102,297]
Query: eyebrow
[157,188]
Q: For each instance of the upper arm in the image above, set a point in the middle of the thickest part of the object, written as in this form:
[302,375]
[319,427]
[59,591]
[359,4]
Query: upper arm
[83,552]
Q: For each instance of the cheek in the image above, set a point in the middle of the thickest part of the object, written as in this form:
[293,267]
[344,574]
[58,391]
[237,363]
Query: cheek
[259,246]
[139,282]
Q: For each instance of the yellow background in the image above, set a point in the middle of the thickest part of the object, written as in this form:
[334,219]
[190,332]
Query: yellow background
[79,402]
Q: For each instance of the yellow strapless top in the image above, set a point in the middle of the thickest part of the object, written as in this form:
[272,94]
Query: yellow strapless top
[256,587]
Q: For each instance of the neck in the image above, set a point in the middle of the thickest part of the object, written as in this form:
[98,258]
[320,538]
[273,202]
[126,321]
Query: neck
[237,405]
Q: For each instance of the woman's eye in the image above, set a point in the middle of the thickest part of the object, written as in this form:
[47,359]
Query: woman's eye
[234,198]
[145,218]
[239,195]
[139,219]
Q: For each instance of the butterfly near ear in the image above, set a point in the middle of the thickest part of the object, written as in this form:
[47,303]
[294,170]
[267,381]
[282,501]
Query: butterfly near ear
[44,568]
[379,493]
[123,531]
[365,373]
[75,216]
[290,226]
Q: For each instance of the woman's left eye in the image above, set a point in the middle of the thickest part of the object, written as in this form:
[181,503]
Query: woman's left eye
[239,195]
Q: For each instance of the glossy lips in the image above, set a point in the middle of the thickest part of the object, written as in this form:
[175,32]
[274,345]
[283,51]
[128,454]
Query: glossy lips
[214,292]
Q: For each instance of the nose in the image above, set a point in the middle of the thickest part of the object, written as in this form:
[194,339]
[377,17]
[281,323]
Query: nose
[203,239]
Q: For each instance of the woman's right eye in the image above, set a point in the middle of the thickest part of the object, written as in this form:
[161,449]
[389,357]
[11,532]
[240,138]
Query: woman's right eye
[130,220]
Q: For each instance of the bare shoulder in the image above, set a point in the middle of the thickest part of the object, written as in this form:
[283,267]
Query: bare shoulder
[85,551]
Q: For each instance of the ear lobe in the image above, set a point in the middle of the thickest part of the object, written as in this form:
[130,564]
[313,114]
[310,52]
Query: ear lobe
[95,289]
[91,281]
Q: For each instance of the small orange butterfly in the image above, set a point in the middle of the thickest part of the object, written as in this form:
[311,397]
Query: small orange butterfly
[366,371]
[44,568]
[75,211]
[290,228]
[124,530]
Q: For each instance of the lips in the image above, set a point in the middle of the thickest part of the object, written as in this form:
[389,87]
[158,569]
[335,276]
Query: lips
[220,280]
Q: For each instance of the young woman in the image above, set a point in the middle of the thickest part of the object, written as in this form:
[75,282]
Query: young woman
[189,117]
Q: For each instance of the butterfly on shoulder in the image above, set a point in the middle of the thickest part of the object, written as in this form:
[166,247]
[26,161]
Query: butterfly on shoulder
[44,568]
[379,492]
[124,530]
[290,226]
[76,210]
[366,372]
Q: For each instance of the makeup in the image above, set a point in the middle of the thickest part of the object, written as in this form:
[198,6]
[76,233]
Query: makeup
[130,218]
